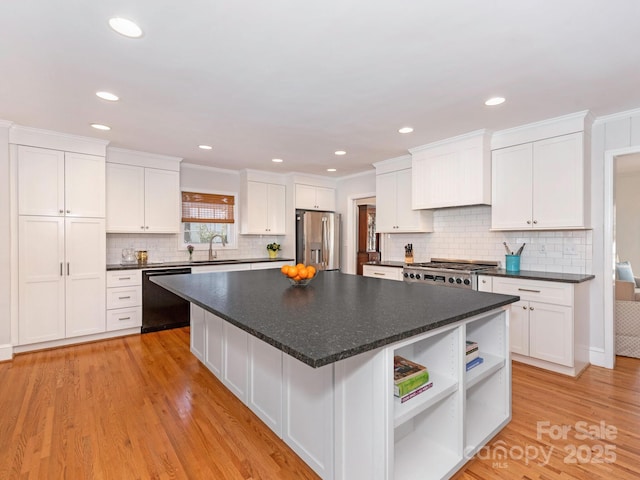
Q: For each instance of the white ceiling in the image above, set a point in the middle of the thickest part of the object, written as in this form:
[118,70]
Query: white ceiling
[301,79]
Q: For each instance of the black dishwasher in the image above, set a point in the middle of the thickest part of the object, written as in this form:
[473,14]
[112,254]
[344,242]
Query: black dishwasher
[162,309]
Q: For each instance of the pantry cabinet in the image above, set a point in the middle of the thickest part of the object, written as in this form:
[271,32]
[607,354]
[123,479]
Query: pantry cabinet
[58,183]
[264,209]
[61,271]
[310,197]
[549,325]
[142,199]
[541,185]
[453,172]
[394,213]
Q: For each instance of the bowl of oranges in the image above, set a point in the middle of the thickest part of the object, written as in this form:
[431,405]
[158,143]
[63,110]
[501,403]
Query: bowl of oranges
[299,275]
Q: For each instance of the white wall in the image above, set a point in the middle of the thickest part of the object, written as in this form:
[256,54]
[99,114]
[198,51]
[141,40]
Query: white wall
[5,244]
[349,189]
[164,248]
[628,218]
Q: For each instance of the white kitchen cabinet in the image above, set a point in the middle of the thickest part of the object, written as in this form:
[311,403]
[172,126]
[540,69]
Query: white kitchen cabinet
[264,209]
[56,183]
[265,383]
[270,265]
[235,363]
[214,343]
[197,332]
[124,299]
[310,197]
[394,213]
[381,271]
[540,185]
[61,277]
[452,173]
[550,323]
[142,200]
[307,424]
[226,267]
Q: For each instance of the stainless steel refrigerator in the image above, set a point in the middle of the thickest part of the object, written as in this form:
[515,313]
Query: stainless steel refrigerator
[318,239]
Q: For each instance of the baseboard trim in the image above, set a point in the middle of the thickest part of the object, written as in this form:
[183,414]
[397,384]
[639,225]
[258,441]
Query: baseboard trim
[63,342]
[597,357]
[6,352]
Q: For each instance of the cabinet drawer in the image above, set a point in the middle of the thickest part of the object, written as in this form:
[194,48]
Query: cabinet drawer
[122,297]
[547,292]
[389,273]
[124,318]
[124,278]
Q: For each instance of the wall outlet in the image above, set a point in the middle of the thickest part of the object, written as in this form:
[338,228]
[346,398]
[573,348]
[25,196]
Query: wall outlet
[542,248]
[570,250]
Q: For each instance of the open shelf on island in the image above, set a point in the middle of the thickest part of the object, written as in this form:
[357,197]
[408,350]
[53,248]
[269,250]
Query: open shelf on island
[487,406]
[490,364]
[442,386]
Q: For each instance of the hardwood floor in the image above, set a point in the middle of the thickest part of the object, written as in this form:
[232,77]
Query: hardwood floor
[144,407]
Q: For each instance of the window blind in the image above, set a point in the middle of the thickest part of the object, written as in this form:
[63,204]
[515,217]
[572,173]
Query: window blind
[207,208]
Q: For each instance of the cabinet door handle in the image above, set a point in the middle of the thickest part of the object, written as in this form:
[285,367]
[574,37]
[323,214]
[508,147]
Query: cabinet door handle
[524,307]
[535,222]
[381,274]
[68,272]
[124,298]
[528,222]
[528,290]
[530,308]
[141,227]
[60,211]
[124,278]
[61,269]
[146,227]
[68,211]
[124,318]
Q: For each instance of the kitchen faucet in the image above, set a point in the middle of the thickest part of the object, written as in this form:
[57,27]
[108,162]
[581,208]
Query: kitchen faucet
[213,255]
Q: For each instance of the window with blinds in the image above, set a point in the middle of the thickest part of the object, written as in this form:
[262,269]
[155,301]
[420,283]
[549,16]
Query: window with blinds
[207,208]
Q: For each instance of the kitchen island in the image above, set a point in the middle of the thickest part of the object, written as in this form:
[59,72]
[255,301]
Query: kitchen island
[315,364]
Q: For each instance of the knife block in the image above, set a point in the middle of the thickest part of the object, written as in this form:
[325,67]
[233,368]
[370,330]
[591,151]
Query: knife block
[408,259]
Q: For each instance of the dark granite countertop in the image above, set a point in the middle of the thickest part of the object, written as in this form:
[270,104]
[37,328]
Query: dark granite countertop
[197,263]
[336,316]
[545,276]
[386,264]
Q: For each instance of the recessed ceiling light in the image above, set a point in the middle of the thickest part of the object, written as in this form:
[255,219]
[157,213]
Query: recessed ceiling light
[331,169]
[108,96]
[340,152]
[125,27]
[494,101]
[99,126]
[406,130]
[205,147]
[276,160]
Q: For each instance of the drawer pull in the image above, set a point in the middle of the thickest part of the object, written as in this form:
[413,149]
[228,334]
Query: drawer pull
[124,298]
[124,318]
[124,278]
[379,273]
[528,290]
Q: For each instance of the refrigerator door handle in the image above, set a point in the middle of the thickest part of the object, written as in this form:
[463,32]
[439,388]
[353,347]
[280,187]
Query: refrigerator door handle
[325,243]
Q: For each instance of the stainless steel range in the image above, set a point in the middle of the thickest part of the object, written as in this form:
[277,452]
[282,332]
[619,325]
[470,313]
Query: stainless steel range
[452,273]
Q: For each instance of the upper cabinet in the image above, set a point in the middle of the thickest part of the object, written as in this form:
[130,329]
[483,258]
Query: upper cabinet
[394,213]
[58,183]
[542,184]
[310,197]
[141,198]
[263,208]
[452,173]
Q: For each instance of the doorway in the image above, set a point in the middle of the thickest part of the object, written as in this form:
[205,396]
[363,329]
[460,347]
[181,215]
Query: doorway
[626,156]
[367,241]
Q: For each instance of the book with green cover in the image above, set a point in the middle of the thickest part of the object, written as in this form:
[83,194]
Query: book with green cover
[403,388]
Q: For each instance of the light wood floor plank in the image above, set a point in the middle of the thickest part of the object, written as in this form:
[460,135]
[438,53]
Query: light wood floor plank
[142,407]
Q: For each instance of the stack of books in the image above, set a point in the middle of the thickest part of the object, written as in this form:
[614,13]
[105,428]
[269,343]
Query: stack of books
[472,357]
[410,378]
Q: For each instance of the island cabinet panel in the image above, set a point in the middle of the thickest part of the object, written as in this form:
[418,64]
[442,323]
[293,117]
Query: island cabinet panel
[235,364]
[197,332]
[308,414]
[265,383]
[214,342]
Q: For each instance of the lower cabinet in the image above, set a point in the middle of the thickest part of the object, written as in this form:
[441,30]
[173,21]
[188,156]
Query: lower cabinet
[549,325]
[343,420]
[124,299]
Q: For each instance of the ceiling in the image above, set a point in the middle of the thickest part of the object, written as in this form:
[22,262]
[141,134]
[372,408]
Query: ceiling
[299,80]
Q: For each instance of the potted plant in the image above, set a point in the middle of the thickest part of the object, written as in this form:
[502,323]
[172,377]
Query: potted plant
[190,250]
[273,249]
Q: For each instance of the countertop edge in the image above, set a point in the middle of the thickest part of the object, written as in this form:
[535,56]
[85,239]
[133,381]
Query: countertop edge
[540,276]
[138,266]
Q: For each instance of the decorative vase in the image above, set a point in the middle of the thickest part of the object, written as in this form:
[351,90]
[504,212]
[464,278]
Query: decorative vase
[190,256]
[272,253]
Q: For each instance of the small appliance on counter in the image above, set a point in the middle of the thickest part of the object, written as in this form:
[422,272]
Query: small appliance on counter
[128,256]
[142,257]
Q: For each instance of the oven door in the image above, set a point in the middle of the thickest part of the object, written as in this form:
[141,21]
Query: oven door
[162,309]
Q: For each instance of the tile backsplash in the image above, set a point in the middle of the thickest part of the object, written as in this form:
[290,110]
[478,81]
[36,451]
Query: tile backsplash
[164,248]
[463,233]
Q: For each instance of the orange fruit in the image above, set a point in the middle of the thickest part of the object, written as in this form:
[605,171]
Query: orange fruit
[292,272]
[303,272]
[311,271]
[300,265]
[296,278]
[284,269]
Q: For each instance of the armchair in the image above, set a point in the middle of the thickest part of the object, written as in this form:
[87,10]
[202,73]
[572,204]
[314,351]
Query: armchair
[627,311]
